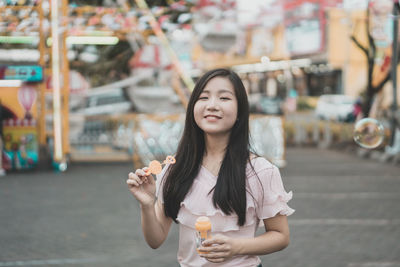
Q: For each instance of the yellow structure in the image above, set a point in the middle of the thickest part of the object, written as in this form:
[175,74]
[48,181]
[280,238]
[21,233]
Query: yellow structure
[344,54]
[210,60]
[9,99]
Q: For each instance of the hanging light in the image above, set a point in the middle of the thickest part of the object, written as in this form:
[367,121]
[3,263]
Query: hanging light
[89,40]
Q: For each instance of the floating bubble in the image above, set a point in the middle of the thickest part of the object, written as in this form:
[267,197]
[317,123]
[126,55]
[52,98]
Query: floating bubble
[368,133]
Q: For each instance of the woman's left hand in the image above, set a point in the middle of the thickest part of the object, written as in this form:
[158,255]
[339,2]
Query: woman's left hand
[218,248]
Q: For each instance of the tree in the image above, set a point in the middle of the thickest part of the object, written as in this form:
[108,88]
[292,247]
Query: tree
[370,51]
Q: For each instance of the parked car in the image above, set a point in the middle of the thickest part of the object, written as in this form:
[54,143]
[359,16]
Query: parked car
[273,106]
[334,107]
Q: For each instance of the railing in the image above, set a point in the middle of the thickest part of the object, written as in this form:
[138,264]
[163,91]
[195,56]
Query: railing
[144,137]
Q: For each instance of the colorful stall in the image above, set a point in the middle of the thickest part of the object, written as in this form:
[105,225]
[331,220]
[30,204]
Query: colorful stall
[19,127]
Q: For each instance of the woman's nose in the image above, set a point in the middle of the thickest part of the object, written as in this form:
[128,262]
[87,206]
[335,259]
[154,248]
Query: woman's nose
[212,103]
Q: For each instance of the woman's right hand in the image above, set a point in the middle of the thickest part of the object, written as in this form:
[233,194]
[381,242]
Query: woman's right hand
[142,187]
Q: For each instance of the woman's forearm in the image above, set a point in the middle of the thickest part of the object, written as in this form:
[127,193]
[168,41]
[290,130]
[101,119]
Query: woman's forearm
[266,243]
[154,231]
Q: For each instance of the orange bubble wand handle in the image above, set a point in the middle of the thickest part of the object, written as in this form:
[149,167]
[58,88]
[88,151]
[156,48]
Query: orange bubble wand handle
[155,167]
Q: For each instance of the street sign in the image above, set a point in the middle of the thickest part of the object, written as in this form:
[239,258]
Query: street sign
[29,73]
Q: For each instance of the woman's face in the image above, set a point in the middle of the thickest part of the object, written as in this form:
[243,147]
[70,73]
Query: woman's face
[215,111]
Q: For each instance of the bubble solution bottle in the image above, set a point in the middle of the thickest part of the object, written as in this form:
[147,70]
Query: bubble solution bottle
[203,230]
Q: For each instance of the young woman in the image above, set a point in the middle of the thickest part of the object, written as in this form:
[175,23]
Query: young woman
[216,175]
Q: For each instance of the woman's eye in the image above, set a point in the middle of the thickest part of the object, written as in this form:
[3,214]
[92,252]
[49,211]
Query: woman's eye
[225,98]
[203,98]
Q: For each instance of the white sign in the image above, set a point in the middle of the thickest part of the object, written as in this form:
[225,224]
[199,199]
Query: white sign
[355,4]
[304,37]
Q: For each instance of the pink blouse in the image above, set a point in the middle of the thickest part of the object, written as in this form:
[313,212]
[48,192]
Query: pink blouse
[266,197]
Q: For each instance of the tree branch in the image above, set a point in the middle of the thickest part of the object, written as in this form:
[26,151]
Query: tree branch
[359,45]
[371,41]
[379,87]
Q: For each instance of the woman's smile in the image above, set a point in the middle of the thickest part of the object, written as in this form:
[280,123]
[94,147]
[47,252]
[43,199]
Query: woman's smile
[212,118]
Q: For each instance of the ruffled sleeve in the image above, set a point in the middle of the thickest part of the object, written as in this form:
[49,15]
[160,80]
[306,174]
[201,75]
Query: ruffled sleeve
[267,188]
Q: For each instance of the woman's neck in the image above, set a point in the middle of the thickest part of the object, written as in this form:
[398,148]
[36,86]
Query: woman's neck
[214,153]
[216,145]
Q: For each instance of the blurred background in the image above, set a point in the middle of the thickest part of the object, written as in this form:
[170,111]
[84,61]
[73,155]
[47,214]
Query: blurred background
[90,83]
[109,80]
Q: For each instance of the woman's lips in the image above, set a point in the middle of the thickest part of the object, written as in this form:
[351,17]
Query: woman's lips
[212,117]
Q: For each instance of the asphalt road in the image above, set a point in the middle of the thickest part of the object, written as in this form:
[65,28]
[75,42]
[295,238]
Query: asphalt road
[347,214]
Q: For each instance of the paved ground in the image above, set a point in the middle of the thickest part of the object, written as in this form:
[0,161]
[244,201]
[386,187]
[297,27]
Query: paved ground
[347,214]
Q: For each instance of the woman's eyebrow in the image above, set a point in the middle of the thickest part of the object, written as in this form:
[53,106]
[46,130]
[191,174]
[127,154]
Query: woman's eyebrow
[219,91]
[225,91]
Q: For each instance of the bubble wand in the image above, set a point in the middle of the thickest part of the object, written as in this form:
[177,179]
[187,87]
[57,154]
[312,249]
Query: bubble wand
[155,167]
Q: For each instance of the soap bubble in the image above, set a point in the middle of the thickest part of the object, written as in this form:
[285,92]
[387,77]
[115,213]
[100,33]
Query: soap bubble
[368,133]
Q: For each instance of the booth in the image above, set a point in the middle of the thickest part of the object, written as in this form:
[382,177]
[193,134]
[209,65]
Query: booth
[19,127]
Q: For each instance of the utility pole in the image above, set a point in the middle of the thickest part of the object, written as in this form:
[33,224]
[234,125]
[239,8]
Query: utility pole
[55,73]
[394,68]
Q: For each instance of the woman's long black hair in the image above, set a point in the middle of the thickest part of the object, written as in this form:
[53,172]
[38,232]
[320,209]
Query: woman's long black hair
[230,190]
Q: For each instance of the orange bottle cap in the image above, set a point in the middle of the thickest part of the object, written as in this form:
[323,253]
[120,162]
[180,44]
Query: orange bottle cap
[203,223]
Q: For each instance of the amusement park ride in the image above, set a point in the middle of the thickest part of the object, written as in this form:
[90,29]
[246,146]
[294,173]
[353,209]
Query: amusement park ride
[42,133]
